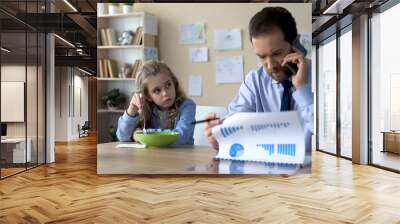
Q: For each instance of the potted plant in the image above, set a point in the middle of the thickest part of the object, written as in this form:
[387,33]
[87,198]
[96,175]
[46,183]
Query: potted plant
[113,133]
[113,8]
[113,99]
[127,7]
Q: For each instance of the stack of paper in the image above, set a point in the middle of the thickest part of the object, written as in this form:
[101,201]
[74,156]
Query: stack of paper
[261,137]
[241,167]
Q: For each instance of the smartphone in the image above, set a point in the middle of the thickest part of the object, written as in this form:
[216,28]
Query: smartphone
[292,68]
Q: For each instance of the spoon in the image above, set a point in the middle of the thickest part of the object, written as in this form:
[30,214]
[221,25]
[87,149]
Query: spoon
[144,122]
[144,118]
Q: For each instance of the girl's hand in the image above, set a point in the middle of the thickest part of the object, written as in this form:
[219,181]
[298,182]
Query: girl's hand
[136,104]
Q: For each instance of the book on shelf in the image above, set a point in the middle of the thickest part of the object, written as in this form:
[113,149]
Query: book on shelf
[138,39]
[101,72]
[108,68]
[111,36]
[112,68]
[105,68]
[137,66]
[103,37]
[108,37]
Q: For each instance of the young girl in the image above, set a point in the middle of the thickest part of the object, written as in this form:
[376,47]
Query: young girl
[158,102]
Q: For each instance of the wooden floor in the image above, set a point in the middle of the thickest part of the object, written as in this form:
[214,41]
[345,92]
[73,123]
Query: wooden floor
[70,191]
[10,171]
[386,159]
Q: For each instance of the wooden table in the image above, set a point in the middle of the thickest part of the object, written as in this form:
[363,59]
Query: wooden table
[181,160]
[391,141]
[13,150]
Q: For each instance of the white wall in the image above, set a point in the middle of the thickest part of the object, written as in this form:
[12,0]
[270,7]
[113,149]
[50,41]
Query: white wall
[33,126]
[79,117]
[69,85]
[61,105]
[17,73]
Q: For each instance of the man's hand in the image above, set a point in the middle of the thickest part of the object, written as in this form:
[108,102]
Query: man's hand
[207,129]
[297,58]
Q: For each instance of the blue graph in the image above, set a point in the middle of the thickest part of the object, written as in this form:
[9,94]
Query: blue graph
[226,131]
[287,149]
[267,147]
[277,125]
[236,150]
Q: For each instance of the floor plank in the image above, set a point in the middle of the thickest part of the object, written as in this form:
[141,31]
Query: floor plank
[70,191]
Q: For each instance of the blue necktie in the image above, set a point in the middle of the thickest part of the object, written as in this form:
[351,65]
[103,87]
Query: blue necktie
[287,95]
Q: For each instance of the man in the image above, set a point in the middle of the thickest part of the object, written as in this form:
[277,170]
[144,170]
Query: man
[283,82]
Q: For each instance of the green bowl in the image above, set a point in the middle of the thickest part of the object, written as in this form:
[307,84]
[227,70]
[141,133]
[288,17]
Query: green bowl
[158,139]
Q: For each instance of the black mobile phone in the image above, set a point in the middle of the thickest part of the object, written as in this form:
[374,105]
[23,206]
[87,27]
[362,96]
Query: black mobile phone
[292,67]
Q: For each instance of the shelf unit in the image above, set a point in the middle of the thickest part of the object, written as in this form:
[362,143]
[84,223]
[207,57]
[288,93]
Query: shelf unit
[122,54]
[120,47]
[115,79]
[121,15]
[110,111]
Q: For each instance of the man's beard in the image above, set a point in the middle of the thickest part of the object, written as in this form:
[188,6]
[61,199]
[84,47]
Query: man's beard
[279,75]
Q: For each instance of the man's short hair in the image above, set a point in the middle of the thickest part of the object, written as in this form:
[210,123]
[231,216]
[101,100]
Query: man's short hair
[270,18]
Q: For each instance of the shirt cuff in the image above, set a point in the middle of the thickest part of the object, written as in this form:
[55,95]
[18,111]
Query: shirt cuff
[128,117]
[303,96]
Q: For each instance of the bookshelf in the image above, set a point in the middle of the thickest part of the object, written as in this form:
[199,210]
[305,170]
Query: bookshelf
[110,111]
[114,79]
[120,47]
[122,15]
[112,57]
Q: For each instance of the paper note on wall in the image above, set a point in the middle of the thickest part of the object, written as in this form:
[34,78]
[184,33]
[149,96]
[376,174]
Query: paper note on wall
[192,33]
[195,85]
[261,137]
[198,54]
[229,69]
[227,39]
[150,53]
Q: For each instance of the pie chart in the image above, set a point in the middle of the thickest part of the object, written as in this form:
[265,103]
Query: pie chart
[236,150]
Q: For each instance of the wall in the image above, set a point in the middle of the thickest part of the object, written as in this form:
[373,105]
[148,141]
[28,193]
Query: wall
[61,103]
[17,73]
[70,84]
[33,127]
[81,113]
[215,16]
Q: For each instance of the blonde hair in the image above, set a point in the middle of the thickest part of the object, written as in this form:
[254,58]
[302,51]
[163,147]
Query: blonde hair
[153,68]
